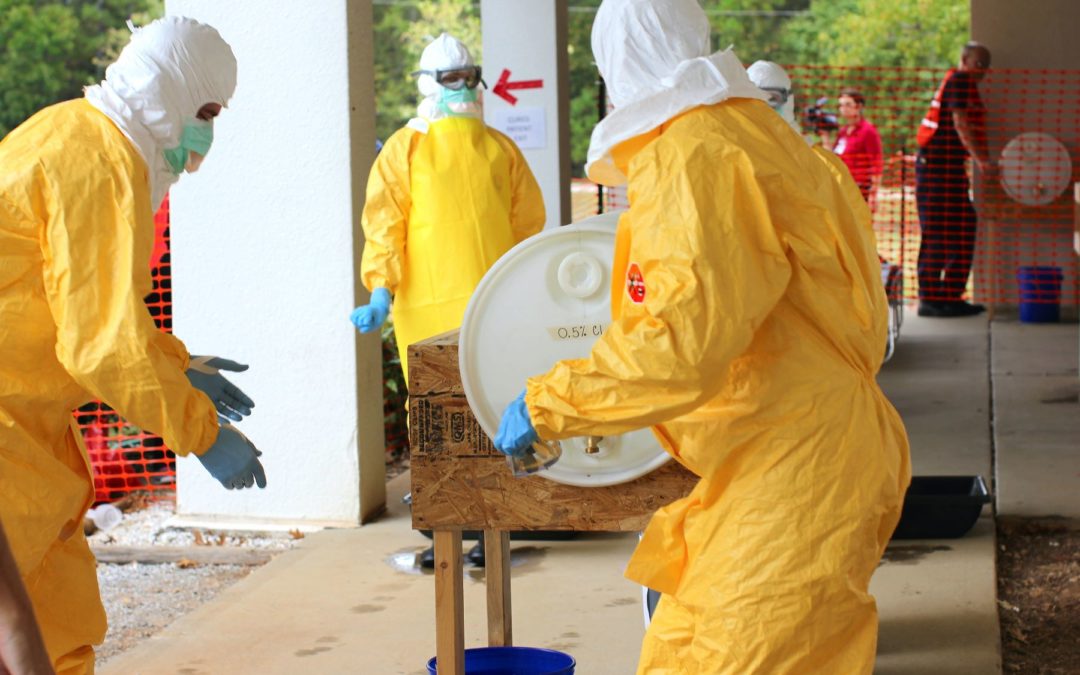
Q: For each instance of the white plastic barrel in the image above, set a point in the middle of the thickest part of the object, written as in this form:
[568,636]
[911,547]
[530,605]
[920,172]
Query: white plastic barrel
[547,300]
[1035,168]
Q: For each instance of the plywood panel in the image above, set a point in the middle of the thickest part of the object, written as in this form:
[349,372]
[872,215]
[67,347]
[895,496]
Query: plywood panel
[459,480]
[481,493]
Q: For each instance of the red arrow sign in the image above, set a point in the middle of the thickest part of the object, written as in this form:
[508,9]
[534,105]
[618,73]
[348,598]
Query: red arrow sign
[504,85]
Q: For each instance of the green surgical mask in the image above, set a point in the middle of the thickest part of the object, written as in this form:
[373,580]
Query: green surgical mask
[456,101]
[196,137]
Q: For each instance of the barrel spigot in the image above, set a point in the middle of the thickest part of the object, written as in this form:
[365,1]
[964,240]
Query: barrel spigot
[592,444]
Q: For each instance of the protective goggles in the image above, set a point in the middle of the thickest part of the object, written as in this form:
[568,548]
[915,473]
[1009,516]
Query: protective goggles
[777,95]
[456,78]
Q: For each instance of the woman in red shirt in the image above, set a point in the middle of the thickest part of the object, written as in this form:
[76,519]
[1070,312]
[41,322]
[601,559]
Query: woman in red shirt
[859,145]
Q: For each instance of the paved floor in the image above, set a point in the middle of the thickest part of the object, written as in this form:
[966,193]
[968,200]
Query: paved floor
[1036,419]
[974,397]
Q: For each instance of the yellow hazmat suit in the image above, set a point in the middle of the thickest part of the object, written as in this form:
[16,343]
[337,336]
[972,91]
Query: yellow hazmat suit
[76,234]
[848,187]
[748,326]
[441,207]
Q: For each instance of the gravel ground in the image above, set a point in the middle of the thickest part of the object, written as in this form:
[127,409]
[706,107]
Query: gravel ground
[142,599]
[148,527]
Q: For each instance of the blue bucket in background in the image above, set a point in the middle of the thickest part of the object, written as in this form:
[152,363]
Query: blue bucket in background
[514,661]
[1040,294]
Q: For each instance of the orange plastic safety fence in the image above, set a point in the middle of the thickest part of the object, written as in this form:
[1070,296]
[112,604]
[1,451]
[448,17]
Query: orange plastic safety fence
[124,458]
[997,229]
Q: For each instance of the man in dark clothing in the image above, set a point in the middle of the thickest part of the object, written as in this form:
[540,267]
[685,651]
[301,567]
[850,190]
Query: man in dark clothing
[953,130]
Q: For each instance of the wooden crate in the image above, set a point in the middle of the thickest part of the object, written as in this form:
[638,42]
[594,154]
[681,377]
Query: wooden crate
[459,480]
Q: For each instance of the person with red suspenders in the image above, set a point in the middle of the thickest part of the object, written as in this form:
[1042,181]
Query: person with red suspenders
[953,129]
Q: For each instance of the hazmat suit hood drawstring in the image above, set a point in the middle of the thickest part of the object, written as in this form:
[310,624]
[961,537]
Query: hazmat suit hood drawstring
[169,69]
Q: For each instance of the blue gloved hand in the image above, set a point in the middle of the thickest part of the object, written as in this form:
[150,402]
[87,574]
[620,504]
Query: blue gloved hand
[371,316]
[233,460]
[203,372]
[516,433]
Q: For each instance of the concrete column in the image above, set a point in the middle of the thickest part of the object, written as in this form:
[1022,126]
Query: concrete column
[528,39]
[265,243]
[1036,36]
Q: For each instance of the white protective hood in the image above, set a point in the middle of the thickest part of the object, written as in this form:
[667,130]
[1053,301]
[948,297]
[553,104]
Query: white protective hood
[654,57]
[443,53]
[766,74]
[170,69]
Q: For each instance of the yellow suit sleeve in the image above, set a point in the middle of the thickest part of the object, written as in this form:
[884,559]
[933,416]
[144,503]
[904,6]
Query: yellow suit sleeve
[846,184]
[173,349]
[713,269]
[96,276]
[386,213]
[527,214]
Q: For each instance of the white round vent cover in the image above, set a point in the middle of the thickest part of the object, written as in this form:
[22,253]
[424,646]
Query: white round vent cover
[546,300]
[1035,168]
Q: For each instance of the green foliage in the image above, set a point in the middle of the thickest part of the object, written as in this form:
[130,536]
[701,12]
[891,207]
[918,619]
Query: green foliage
[905,33]
[584,81]
[868,35]
[395,397]
[755,28]
[50,50]
[116,38]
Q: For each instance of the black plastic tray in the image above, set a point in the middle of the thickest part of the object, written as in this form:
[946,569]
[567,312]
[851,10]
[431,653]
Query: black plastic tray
[941,507]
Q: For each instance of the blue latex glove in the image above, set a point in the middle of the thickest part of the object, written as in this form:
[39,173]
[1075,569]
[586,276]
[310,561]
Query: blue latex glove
[204,374]
[233,460]
[371,316]
[516,432]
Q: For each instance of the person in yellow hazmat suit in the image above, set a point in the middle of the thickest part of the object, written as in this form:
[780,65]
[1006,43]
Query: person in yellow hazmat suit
[447,196]
[748,324]
[79,182]
[774,80]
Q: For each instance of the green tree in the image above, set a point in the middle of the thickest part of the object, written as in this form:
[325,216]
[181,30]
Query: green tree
[36,46]
[862,43]
[116,37]
[754,28]
[584,84]
[50,50]
[906,33]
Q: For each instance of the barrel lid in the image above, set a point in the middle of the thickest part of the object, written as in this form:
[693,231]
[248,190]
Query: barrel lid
[547,300]
[1035,168]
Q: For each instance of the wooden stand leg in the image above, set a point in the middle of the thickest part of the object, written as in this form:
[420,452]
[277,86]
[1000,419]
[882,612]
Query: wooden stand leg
[449,603]
[497,573]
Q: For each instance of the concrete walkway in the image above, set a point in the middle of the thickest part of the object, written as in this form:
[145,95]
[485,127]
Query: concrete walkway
[1036,419]
[349,601]
[937,598]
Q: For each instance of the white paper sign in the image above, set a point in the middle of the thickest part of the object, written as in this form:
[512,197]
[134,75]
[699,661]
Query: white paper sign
[524,125]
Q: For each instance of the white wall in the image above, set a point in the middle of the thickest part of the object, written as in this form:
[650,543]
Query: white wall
[528,37]
[264,239]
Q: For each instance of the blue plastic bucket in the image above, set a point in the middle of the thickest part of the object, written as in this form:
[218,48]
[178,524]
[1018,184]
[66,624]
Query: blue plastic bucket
[1040,294]
[514,661]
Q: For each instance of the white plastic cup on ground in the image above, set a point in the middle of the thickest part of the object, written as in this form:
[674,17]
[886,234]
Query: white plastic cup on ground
[105,516]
